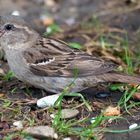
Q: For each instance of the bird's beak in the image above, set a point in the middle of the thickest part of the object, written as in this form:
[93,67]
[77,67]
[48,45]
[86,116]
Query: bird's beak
[2,31]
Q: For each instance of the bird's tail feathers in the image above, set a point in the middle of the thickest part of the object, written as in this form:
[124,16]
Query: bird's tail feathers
[119,77]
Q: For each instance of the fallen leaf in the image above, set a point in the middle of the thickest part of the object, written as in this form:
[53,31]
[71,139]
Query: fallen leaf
[2,94]
[48,21]
[112,111]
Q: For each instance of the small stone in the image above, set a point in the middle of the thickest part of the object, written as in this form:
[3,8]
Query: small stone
[93,119]
[41,132]
[131,2]
[69,113]
[15,13]
[18,124]
[102,94]
[68,138]
[133,126]
[47,101]
[52,116]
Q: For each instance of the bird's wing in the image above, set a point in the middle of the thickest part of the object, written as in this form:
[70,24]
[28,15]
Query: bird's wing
[51,57]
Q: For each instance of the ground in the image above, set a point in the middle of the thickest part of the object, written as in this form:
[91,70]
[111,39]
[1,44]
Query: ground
[104,28]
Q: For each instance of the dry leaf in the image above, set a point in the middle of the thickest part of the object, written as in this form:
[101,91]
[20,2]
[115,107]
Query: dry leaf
[48,21]
[1,95]
[112,111]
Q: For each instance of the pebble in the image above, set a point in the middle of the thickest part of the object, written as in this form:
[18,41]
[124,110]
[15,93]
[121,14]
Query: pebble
[52,116]
[102,94]
[47,101]
[18,124]
[15,13]
[69,113]
[132,126]
[93,119]
[41,132]
[68,138]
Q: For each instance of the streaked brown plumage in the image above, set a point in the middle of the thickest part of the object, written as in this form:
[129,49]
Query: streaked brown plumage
[50,63]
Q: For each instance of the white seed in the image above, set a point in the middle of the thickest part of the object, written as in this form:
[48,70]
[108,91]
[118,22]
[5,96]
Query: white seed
[132,126]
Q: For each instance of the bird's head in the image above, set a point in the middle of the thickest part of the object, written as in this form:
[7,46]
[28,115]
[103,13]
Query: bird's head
[15,33]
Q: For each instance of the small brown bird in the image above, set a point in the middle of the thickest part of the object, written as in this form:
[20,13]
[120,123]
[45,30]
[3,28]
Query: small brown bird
[50,63]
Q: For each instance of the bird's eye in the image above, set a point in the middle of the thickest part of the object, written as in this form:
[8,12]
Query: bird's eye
[9,27]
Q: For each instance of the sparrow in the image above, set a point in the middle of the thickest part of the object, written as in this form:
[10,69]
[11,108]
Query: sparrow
[49,63]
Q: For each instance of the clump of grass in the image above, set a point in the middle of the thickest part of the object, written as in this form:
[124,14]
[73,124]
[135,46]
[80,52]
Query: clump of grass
[75,45]
[125,99]
[6,103]
[8,76]
[73,126]
[127,56]
[80,128]
[67,93]
[51,29]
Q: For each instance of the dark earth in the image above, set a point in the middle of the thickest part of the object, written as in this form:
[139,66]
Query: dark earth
[113,14]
